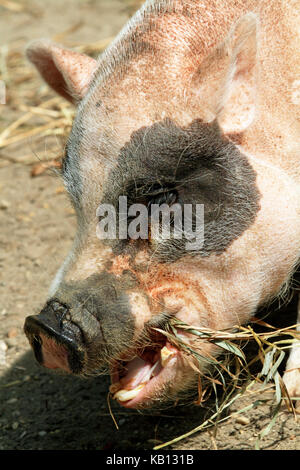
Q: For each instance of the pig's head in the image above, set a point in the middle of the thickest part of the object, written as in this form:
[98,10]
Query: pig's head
[163,117]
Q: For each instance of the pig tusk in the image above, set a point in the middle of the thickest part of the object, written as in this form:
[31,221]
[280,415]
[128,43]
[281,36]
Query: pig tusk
[125,395]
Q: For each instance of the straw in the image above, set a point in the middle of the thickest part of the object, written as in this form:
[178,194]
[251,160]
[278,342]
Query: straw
[12,6]
[272,345]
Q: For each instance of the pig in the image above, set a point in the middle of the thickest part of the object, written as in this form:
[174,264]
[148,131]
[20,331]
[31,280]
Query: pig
[194,102]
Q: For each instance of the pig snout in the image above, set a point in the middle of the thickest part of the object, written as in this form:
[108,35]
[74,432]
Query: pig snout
[56,341]
[82,327]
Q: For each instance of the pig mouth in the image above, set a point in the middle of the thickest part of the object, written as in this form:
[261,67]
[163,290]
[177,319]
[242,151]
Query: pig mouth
[141,374]
[138,382]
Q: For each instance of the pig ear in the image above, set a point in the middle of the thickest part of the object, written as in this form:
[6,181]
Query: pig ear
[68,73]
[236,105]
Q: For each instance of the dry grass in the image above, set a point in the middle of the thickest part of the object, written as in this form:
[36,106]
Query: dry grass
[34,115]
[233,373]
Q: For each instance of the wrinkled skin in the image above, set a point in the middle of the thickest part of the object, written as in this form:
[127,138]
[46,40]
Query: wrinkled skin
[186,102]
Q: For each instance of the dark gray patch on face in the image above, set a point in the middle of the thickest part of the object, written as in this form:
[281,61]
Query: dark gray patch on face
[203,166]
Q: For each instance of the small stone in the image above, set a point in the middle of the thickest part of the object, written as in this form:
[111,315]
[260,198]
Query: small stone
[242,420]
[60,190]
[42,433]
[12,333]
[122,421]
[11,401]
[70,211]
[4,204]
[15,425]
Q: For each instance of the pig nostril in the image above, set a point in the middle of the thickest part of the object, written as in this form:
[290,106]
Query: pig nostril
[52,336]
[36,343]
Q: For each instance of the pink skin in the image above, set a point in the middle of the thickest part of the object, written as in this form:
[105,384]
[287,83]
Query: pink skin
[55,355]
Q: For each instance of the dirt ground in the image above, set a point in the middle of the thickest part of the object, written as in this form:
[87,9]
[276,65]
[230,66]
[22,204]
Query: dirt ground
[39,409]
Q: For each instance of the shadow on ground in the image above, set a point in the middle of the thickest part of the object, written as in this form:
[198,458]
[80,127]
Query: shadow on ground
[42,410]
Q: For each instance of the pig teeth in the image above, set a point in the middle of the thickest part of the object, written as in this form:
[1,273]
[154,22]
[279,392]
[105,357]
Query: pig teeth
[125,395]
[165,355]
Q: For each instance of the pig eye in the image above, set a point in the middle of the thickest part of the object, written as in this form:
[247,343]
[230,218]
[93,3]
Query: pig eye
[156,195]
[169,197]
